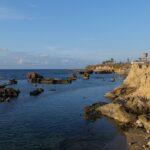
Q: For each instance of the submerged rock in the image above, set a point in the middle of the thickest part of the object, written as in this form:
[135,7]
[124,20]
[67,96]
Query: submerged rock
[53,90]
[7,93]
[112,80]
[91,113]
[13,81]
[36,92]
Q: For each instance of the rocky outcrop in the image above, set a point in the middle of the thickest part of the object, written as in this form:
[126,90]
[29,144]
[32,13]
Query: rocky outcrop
[72,76]
[136,84]
[131,105]
[36,78]
[91,112]
[12,81]
[134,93]
[118,68]
[117,112]
[8,93]
[139,78]
[85,76]
[120,92]
[36,92]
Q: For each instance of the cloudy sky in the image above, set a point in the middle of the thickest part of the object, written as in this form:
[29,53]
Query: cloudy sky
[71,33]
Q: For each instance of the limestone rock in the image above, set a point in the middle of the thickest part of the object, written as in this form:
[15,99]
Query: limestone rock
[145,121]
[117,112]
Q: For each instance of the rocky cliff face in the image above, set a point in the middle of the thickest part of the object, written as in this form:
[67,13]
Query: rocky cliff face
[131,106]
[137,83]
[139,78]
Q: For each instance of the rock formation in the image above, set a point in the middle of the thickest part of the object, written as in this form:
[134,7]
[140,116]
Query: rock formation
[118,68]
[36,78]
[131,105]
[85,76]
[136,84]
[36,92]
[7,93]
[12,81]
[72,76]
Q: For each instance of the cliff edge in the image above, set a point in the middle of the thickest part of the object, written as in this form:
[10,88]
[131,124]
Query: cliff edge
[137,83]
[130,106]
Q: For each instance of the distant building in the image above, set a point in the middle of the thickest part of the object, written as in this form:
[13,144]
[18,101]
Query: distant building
[142,59]
[137,62]
[145,57]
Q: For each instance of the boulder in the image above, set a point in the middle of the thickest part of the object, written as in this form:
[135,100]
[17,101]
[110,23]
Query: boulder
[36,92]
[34,77]
[85,76]
[7,93]
[12,81]
[72,76]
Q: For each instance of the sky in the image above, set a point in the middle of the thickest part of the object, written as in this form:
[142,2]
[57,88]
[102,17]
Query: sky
[58,34]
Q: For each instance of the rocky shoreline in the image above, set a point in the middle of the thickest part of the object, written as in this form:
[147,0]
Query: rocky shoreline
[118,68]
[35,78]
[130,107]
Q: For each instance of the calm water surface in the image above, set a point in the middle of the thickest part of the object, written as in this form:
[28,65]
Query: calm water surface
[54,120]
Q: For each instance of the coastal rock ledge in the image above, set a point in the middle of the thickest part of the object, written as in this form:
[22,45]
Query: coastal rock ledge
[130,107]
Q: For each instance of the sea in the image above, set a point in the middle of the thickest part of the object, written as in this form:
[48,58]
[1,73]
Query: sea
[54,120]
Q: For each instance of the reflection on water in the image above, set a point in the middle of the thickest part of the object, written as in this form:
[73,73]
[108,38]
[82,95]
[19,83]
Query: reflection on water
[54,120]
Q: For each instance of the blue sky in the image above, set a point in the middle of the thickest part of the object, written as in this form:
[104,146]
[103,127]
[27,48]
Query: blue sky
[71,33]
